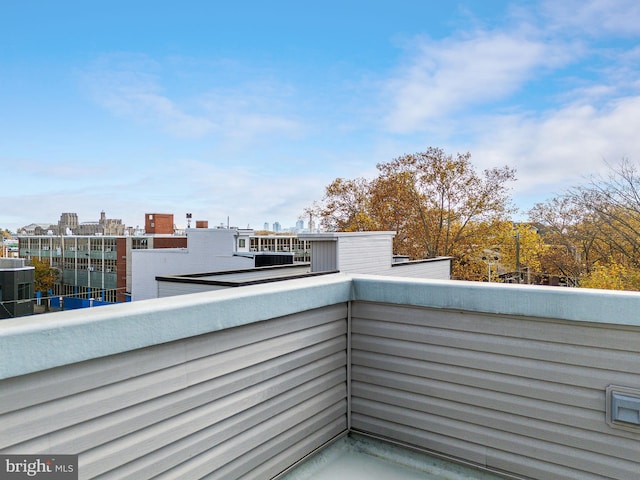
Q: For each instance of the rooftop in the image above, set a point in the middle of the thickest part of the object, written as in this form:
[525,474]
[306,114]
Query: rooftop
[244,277]
[509,380]
[358,457]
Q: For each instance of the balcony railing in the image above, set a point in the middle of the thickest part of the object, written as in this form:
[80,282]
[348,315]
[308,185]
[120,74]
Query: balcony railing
[246,382]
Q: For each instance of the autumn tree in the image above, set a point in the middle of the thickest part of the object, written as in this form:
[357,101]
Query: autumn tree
[612,204]
[593,231]
[346,206]
[519,248]
[612,276]
[568,238]
[45,277]
[438,204]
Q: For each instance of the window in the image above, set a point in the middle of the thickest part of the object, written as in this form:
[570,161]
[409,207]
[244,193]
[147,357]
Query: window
[96,244]
[242,243]
[139,243]
[24,291]
[83,244]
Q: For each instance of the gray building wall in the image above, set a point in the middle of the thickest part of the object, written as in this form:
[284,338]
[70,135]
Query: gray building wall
[241,401]
[324,256]
[246,382]
[517,394]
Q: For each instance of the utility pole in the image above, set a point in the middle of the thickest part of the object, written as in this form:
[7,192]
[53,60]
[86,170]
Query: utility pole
[518,253]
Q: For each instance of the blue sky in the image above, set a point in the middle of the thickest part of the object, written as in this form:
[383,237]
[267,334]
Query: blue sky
[247,111]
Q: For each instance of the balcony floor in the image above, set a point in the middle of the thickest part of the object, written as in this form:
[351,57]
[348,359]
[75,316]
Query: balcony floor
[358,457]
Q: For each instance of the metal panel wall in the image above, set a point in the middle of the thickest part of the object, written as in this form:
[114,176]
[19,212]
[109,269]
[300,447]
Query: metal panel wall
[243,402]
[324,256]
[516,394]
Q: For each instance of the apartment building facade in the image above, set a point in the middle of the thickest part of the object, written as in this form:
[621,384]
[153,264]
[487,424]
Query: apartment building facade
[300,247]
[92,266]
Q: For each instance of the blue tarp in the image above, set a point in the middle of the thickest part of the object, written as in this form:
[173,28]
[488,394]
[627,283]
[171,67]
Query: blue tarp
[73,303]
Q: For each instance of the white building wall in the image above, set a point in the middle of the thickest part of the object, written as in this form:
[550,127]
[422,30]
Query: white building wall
[434,268]
[369,253]
[365,252]
[208,250]
[170,289]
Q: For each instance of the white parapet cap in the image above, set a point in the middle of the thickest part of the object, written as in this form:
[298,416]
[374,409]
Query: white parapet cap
[39,342]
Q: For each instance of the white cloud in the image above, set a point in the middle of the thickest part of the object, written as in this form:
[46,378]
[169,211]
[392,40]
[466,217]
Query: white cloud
[561,148]
[447,76]
[126,86]
[596,17]
[131,87]
[249,111]
[252,196]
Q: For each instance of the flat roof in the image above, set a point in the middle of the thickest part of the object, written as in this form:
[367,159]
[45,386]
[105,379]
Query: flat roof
[360,457]
[249,276]
[336,235]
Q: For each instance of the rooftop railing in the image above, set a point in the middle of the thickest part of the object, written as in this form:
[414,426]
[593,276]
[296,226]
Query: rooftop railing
[530,382]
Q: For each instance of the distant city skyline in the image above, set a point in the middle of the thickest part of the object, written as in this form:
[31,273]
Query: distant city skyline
[247,111]
[188,222]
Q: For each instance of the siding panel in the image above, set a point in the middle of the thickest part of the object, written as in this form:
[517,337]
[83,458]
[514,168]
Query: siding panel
[324,256]
[515,394]
[376,259]
[183,406]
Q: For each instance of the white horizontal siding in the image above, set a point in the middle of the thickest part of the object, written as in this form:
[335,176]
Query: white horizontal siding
[522,395]
[434,269]
[374,257]
[170,289]
[220,404]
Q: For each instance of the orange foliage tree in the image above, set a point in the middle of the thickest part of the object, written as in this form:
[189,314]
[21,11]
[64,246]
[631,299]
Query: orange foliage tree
[438,204]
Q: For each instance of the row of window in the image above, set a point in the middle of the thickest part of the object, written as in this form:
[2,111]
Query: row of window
[301,248]
[83,244]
